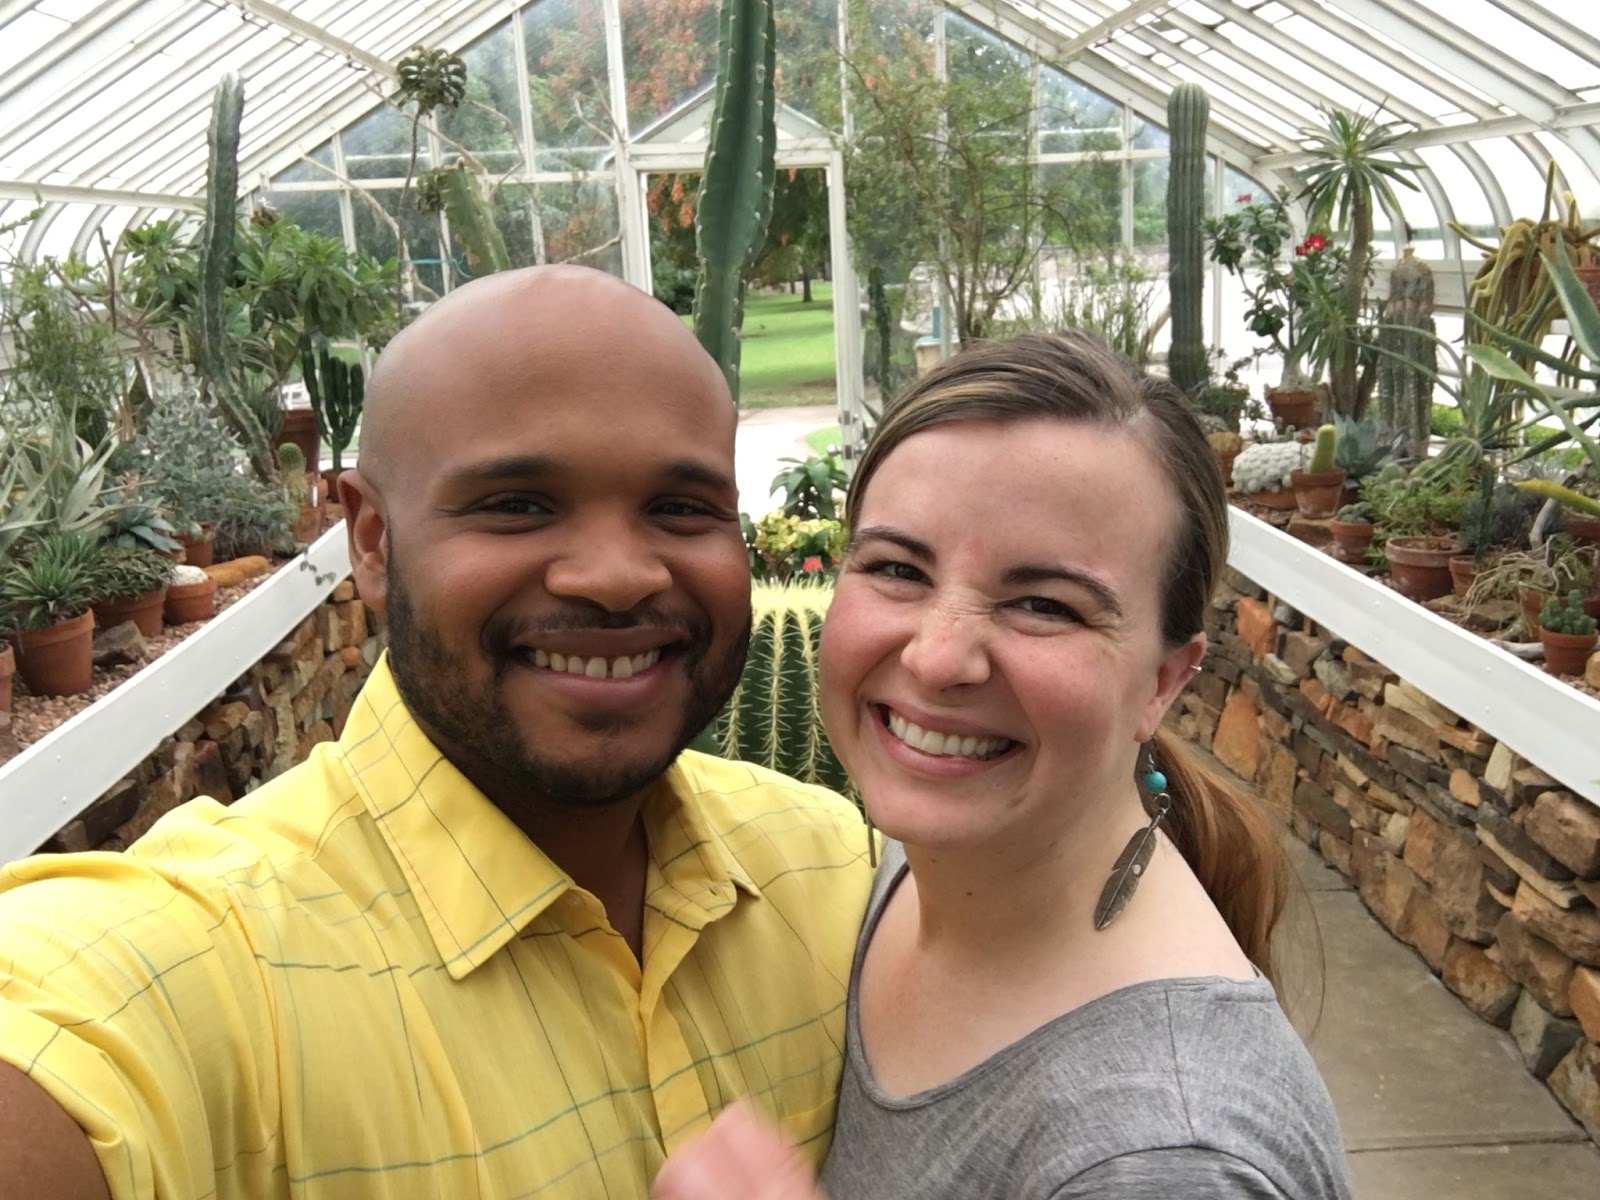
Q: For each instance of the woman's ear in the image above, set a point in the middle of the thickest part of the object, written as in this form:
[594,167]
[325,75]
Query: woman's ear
[1177,669]
[367,527]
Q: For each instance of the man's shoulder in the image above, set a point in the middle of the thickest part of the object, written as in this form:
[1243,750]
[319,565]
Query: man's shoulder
[750,791]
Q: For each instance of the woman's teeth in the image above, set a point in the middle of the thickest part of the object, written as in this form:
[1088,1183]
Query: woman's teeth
[930,741]
[598,668]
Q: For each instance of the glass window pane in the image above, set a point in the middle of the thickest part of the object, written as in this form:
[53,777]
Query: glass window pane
[808,59]
[565,42]
[314,211]
[1467,200]
[487,122]
[580,223]
[1150,202]
[669,51]
[375,236]
[305,171]
[1073,116]
[378,146]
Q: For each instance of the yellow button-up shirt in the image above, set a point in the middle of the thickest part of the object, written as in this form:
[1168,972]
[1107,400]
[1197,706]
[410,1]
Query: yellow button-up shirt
[363,980]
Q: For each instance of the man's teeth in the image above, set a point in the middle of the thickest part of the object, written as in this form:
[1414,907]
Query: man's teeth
[598,668]
[931,741]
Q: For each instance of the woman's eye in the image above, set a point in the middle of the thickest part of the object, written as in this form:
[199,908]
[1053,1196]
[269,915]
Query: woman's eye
[1044,606]
[891,568]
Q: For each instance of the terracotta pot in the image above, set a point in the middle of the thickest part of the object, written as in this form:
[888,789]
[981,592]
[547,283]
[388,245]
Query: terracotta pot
[1567,653]
[187,602]
[300,427]
[1532,600]
[330,482]
[1280,498]
[144,611]
[308,524]
[1584,529]
[1295,409]
[8,668]
[1589,276]
[332,514]
[58,661]
[200,551]
[1225,465]
[1351,539]
[1318,494]
[1420,566]
[1463,570]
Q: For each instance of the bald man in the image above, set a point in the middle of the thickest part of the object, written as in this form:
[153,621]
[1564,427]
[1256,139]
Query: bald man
[507,936]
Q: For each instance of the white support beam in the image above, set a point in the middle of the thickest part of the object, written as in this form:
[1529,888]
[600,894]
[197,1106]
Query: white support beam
[50,193]
[10,10]
[1573,116]
[631,220]
[314,33]
[1118,20]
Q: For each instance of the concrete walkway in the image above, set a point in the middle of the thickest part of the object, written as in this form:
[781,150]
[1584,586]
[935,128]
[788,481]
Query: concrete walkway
[765,436]
[1434,1102]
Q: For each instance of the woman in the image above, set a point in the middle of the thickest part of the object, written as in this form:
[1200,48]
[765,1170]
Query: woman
[1063,983]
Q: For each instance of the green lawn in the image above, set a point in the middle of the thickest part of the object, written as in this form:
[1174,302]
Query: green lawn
[787,358]
[823,440]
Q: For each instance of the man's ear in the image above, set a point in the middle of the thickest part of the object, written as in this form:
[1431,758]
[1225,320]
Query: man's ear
[367,527]
[1177,669]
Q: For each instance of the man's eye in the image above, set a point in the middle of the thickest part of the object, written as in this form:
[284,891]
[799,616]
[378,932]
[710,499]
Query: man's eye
[514,506]
[681,508]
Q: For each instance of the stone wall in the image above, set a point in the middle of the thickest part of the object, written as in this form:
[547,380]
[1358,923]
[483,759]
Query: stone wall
[295,697]
[1487,867]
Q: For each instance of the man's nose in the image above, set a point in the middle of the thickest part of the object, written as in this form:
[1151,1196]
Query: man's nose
[609,564]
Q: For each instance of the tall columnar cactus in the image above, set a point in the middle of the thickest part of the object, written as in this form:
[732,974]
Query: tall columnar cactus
[338,392]
[458,190]
[1188,110]
[736,191]
[773,718]
[222,380]
[1322,454]
[1409,359]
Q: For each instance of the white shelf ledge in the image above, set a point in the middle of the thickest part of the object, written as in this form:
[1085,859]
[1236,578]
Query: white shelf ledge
[61,774]
[1553,726]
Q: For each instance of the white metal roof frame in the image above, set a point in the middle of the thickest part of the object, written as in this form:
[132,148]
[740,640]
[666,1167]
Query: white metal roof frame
[1457,72]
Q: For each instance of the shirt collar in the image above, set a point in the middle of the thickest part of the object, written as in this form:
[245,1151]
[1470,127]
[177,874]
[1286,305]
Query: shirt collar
[478,879]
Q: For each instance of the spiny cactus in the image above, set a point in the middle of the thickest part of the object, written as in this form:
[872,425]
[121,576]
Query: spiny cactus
[338,392]
[292,463]
[1568,618]
[458,191]
[773,718]
[1188,110]
[1408,362]
[1322,453]
[736,195]
[221,379]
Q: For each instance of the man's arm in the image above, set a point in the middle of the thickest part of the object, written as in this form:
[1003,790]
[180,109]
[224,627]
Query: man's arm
[43,1152]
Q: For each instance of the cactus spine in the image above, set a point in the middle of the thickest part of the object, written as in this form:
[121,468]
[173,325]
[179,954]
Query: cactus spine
[1188,111]
[222,382]
[338,392]
[736,192]
[1409,361]
[774,718]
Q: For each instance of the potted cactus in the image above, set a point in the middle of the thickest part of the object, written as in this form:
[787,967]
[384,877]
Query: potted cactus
[1567,634]
[299,488]
[1317,488]
[1352,528]
[191,596]
[132,586]
[1262,473]
[50,593]
[1226,445]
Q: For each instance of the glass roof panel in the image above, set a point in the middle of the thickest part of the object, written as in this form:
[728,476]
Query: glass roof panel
[1467,198]
[669,52]
[1521,42]
[566,49]
[1523,186]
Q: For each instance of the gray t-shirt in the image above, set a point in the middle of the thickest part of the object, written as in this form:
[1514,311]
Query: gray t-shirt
[1191,1088]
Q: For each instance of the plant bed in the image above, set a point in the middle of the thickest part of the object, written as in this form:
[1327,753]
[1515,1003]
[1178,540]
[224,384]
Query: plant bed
[34,716]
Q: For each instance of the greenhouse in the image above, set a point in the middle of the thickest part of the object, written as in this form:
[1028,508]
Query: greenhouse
[1359,239]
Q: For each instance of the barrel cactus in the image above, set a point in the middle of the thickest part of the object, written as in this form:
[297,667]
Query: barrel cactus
[736,195]
[1409,362]
[1188,110]
[773,718]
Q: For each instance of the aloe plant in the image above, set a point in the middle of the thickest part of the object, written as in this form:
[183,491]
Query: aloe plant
[736,195]
[773,718]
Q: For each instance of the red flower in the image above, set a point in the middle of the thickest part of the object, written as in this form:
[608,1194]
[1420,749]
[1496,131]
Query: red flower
[1300,250]
[811,564]
[1245,198]
[1316,242]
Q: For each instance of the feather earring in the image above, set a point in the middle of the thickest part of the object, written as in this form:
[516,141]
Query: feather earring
[1129,868]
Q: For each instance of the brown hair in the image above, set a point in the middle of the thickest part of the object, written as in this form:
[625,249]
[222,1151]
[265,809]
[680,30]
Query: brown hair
[1221,832]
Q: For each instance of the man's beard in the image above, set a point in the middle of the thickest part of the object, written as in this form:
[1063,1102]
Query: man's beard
[472,727]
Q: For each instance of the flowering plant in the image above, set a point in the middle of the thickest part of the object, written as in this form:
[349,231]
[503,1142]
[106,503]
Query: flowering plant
[1290,303]
[789,547]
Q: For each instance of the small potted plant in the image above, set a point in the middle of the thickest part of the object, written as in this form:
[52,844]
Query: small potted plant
[1416,516]
[8,668]
[1352,528]
[1262,473]
[131,585]
[49,591]
[191,596]
[298,486]
[1567,634]
[1317,489]
[1226,446]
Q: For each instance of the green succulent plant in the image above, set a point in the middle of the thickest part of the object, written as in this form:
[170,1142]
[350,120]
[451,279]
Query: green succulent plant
[1567,617]
[55,582]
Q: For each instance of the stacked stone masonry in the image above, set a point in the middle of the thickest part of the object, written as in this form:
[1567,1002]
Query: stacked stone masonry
[295,697]
[1487,867]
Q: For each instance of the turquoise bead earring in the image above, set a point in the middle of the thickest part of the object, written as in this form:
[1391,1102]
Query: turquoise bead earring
[1130,866]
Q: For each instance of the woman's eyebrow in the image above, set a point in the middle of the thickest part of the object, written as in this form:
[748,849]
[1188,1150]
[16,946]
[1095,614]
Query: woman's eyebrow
[912,546]
[1030,573]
